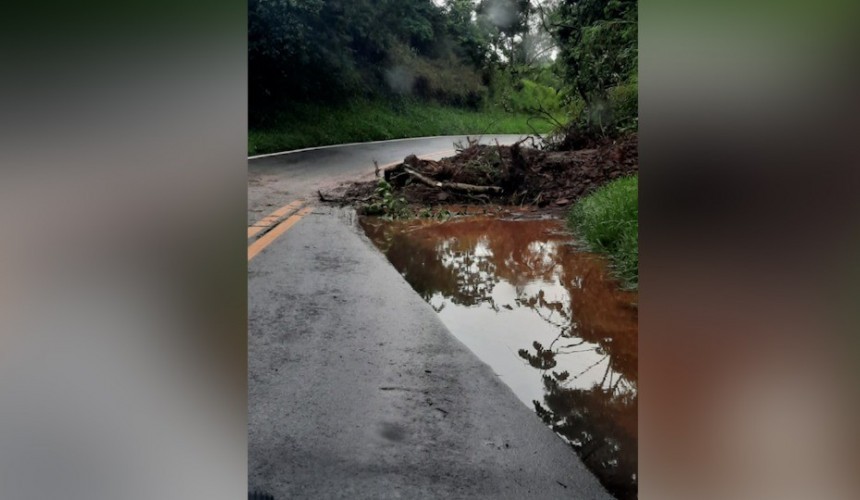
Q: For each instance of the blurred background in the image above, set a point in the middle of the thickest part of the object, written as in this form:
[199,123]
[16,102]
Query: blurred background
[748,358]
[122,200]
[122,207]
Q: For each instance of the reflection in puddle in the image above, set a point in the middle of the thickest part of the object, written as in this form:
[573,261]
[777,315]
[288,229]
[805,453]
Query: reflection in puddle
[546,317]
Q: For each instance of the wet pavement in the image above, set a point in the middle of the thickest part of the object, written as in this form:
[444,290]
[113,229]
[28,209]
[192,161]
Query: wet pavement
[356,389]
[546,317]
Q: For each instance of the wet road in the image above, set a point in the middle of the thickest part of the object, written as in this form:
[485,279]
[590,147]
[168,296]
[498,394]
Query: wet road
[356,388]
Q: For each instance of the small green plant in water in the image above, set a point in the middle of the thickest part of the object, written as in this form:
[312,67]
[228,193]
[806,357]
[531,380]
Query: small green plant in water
[443,215]
[386,203]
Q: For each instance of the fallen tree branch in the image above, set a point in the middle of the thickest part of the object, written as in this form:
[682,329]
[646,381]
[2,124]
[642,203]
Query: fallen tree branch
[483,198]
[454,186]
[342,199]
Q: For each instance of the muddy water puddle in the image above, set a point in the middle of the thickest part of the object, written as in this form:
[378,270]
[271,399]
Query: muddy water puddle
[545,316]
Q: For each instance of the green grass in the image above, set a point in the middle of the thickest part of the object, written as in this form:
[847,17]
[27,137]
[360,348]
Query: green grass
[308,125]
[608,221]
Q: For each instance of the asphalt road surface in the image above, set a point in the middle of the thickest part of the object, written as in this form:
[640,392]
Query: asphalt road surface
[355,387]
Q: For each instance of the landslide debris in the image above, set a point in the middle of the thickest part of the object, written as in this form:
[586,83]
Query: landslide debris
[493,174]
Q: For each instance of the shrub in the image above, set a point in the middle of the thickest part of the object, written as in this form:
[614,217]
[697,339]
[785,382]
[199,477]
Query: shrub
[446,80]
[310,125]
[623,103]
[608,221]
[614,115]
[529,96]
[386,203]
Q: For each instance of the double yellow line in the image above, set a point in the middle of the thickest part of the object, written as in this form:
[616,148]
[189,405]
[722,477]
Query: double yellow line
[271,231]
[274,225]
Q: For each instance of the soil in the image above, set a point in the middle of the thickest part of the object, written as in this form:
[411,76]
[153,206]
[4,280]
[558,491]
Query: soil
[502,175]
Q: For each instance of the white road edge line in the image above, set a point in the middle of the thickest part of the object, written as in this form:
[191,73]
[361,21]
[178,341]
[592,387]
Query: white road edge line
[375,142]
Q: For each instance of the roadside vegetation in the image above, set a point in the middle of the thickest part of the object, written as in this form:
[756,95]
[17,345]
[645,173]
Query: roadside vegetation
[608,221]
[333,71]
[599,53]
[309,125]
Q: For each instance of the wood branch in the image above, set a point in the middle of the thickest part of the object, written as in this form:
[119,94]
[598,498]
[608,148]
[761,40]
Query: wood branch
[342,199]
[516,172]
[395,173]
[454,186]
[483,198]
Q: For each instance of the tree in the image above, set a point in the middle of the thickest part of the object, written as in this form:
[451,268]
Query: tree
[471,38]
[330,50]
[598,42]
[510,20]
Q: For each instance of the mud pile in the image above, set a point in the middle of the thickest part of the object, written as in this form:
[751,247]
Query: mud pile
[504,175]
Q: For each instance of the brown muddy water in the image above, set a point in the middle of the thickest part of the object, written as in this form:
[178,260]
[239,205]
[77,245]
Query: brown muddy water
[545,316]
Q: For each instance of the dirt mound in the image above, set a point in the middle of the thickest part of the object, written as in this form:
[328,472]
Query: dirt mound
[507,175]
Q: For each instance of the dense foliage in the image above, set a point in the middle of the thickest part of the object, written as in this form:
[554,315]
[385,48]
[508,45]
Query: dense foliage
[547,57]
[310,125]
[335,50]
[598,44]
[599,57]
[329,51]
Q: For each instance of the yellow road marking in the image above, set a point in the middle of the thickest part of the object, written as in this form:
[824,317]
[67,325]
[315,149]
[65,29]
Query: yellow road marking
[272,235]
[267,221]
[270,220]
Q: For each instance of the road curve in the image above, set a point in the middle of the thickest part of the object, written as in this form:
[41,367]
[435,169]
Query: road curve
[355,387]
[274,180]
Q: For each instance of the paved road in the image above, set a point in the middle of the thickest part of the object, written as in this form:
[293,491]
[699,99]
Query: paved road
[276,179]
[356,389]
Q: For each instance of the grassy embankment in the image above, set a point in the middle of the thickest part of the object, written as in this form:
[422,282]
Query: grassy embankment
[309,126]
[608,221]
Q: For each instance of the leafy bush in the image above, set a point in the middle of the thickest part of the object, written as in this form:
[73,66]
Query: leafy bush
[526,90]
[446,80]
[598,54]
[386,203]
[624,106]
[529,96]
[616,115]
[598,43]
[608,221]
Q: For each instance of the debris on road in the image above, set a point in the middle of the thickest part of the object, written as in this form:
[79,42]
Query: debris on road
[502,175]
